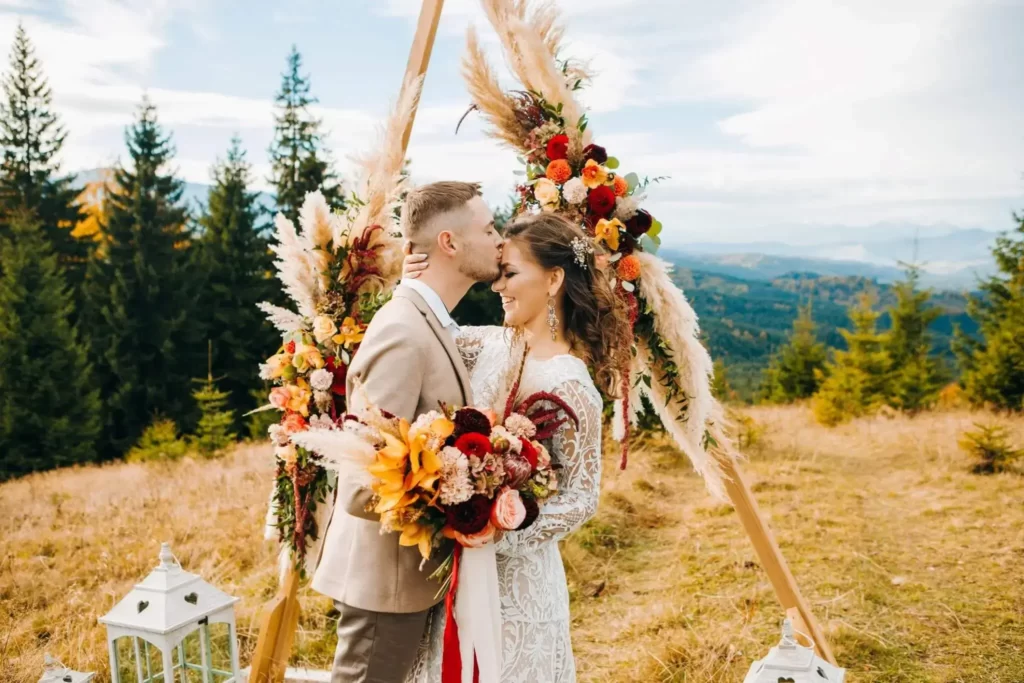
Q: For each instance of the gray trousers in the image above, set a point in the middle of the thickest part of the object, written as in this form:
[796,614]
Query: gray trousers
[376,647]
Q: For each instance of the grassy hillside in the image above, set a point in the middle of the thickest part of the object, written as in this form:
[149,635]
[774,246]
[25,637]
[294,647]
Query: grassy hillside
[911,563]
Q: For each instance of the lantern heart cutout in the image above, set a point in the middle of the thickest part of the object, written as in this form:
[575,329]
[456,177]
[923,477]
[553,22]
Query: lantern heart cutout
[143,604]
[192,598]
[786,680]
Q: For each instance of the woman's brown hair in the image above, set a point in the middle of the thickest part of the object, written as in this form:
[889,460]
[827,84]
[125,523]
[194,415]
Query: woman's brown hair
[596,320]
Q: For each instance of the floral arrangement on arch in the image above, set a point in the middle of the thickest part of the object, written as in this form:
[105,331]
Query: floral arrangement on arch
[338,269]
[566,172]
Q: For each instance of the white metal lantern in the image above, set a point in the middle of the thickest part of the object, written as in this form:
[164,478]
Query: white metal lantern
[173,627]
[791,662]
[55,672]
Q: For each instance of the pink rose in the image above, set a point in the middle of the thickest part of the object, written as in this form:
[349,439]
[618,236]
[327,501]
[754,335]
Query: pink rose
[293,422]
[477,540]
[508,511]
[279,398]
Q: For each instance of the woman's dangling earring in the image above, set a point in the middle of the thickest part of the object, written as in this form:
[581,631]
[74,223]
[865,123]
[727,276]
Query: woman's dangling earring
[552,319]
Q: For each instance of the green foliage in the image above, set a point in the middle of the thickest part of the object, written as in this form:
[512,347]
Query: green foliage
[214,432]
[49,408]
[917,375]
[990,444]
[233,259]
[858,378]
[257,424]
[299,163]
[31,137]
[159,441]
[993,362]
[798,367]
[720,382]
[141,294]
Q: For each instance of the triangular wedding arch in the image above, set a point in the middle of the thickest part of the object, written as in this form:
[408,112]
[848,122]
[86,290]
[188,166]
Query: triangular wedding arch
[279,618]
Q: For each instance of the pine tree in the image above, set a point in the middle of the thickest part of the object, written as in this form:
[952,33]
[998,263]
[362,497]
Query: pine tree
[234,259]
[32,137]
[299,163]
[215,430]
[49,408]
[993,364]
[797,368]
[140,294]
[917,377]
[857,381]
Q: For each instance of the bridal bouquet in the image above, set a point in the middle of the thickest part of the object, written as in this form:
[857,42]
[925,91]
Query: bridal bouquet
[459,474]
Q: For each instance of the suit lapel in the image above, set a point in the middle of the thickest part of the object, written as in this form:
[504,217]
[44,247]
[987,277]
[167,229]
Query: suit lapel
[444,337]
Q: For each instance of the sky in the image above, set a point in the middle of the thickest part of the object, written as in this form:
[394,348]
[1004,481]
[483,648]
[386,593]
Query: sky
[786,120]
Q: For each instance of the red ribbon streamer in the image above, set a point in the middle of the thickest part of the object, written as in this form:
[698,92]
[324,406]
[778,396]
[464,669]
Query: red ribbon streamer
[451,659]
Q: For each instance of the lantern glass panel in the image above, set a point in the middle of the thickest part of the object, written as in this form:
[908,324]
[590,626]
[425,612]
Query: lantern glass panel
[138,661]
[189,657]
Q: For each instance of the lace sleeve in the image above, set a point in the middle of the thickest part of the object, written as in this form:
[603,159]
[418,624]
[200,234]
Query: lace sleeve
[488,353]
[578,451]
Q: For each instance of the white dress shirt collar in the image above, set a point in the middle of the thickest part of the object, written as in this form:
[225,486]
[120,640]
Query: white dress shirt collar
[433,301]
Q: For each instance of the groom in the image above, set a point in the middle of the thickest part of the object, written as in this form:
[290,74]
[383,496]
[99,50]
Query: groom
[406,364]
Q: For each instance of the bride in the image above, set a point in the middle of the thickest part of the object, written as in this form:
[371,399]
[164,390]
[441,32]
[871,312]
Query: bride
[558,302]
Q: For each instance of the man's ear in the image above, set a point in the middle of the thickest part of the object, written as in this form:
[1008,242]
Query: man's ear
[446,243]
[555,279]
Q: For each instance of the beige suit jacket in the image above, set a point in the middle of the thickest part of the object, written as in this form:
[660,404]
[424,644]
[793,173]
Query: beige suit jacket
[405,365]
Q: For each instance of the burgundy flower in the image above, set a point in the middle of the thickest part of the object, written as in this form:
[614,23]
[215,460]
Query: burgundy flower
[517,470]
[529,453]
[470,517]
[558,147]
[595,152]
[640,223]
[474,444]
[532,512]
[601,200]
[469,420]
[340,373]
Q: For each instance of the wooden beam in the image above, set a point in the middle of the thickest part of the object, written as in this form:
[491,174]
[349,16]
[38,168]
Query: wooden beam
[419,54]
[772,561]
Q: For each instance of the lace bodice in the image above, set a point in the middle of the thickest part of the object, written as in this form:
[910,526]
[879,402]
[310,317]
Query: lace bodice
[533,591]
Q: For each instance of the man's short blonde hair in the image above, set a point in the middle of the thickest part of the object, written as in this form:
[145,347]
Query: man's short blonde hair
[427,202]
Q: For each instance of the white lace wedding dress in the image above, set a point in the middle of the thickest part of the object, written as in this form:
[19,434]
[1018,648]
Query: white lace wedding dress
[534,595]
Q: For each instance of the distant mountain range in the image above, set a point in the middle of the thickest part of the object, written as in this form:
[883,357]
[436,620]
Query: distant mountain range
[952,260]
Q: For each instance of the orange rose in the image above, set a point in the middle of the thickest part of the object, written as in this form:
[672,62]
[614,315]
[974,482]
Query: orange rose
[293,422]
[628,268]
[620,186]
[477,540]
[559,171]
[508,511]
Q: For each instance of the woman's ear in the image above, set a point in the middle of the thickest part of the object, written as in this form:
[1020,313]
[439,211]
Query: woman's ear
[556,276]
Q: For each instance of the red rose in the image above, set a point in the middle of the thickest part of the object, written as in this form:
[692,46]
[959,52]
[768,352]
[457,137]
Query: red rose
[640,223]
[290,347]
[558,147]
[595,152]
[469,517]
[601,200]
[471,420]
[529,452]
[473,444]
[340,373]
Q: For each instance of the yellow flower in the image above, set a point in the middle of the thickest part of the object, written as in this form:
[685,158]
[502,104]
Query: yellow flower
[323,329]
[547,194]
[390,471]
[607,231]
[298,399]
[277,364]
[594,174]
[350,332]
[417,535]
[307,357]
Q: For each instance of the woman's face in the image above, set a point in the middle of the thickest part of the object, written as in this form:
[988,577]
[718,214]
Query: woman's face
[523,285]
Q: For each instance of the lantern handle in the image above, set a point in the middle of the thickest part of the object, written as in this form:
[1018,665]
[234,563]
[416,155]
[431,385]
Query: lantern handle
[788,633]
[166,555]
[51,662]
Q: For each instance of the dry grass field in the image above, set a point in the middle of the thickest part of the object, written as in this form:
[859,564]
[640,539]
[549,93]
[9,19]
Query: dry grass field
[914,566]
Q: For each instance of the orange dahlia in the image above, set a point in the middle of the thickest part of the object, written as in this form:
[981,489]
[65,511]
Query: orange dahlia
[559,171]
[628,268]
[620,186]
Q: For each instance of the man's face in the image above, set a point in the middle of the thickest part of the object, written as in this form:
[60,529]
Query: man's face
[479,243]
